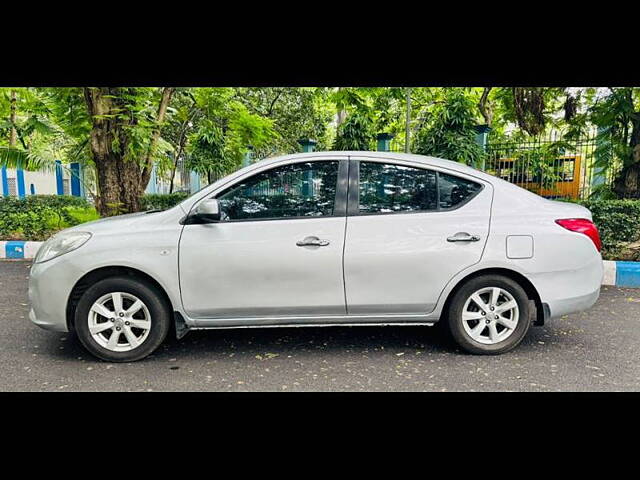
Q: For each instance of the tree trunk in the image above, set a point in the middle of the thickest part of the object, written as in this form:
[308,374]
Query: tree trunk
[485,107]
[147,164]
[342,116]
[12,132]
[120,182]
[181,142]
[627,184]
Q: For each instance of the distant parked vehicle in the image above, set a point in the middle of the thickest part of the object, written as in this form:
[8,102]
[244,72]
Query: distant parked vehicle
[326,238]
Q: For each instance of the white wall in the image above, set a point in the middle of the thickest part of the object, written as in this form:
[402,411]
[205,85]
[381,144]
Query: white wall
[44,182]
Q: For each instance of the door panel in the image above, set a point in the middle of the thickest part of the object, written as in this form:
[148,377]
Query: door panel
[401,262]
[278,250]
[256,268]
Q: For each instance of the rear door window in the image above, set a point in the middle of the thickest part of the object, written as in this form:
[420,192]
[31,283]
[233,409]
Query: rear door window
[388,188]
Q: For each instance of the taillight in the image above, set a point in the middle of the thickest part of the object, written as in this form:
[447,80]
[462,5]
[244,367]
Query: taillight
[582,225]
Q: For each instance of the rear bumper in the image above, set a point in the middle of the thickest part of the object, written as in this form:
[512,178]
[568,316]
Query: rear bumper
[569,291]
[572,305]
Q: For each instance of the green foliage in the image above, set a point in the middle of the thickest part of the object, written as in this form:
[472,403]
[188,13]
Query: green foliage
[296,113]
[36,217]
[451,134]
[244,129]
[355,133]
[208,154]
[162,201]
[618,222]
[226,129]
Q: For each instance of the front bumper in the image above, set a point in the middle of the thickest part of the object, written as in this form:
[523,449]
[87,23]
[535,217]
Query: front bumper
[50,285]
[48,323]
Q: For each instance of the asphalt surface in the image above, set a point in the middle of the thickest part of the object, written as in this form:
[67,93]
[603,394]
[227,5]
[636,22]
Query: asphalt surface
[597,350]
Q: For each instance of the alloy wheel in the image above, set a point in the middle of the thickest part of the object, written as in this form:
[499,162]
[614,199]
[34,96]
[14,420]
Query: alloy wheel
[119,321]
[490,315]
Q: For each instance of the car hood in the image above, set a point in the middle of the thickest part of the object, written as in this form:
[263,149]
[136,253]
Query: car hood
[128,222]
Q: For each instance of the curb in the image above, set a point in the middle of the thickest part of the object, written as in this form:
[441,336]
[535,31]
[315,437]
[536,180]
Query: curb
[621,274]
[19,249]
[618,274]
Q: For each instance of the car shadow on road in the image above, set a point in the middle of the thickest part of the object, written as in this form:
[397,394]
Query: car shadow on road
[255,342]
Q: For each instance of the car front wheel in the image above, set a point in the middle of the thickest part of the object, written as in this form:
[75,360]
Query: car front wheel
[489,315]
[121,319]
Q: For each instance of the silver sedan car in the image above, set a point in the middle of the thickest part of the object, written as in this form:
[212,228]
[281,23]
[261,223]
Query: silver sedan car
[318,239]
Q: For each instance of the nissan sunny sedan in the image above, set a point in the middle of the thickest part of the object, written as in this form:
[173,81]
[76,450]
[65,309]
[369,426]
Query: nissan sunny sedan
[324,239]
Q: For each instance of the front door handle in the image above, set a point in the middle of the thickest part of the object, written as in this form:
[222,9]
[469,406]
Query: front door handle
[312,242]
[463,237]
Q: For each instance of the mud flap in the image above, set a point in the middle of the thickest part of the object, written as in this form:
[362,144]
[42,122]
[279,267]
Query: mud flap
[539,317]
[181,326]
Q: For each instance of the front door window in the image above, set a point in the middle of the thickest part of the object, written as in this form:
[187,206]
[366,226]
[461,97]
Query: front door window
[296,190]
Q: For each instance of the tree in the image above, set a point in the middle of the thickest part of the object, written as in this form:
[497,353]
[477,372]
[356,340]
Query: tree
[532,109]
[207,152]
[225,131]
[123,140]
[295,112]
[618,116]
[363,112]
[28,139]
[179,126]
[355,133]
[451,134]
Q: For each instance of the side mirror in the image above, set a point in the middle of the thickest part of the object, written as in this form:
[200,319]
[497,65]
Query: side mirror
[208,211]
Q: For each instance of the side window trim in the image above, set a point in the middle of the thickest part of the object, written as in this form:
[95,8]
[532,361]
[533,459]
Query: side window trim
[342,189]
[340,201]
[353,206]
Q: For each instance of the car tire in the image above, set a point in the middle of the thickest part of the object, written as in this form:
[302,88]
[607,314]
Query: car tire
[97,318]
[507,319]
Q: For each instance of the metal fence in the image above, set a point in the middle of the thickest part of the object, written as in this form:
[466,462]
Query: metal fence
[551,166]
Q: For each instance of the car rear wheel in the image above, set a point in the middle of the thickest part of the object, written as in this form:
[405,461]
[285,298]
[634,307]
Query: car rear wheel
[121,319]
[489,315]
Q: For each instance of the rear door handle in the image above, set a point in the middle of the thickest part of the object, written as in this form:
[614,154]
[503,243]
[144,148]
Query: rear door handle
[312,242]
[463,237]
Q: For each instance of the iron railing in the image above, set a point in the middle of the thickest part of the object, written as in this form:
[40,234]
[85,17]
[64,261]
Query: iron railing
[550,165]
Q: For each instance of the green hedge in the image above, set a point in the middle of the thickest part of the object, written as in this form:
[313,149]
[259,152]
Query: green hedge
[162,201]
[618,222]
[35,217]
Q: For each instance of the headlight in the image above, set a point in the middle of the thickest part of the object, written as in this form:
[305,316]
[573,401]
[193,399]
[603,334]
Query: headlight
[60,244]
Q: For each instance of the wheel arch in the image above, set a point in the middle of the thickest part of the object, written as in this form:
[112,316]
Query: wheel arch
[101,273]
[523,281]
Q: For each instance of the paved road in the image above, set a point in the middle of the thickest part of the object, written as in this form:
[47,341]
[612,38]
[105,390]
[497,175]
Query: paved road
[596,350]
